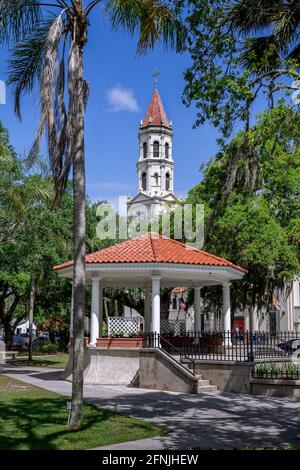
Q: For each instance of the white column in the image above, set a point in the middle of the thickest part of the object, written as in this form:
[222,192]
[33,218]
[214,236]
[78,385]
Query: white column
[72,312]
[197,309]
[246,319]
[100,311]
[95,312]
[147,314]
[155,318]
[254,319]
[227,310]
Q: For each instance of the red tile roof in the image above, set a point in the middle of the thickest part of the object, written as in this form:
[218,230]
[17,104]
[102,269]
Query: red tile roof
[153,248]
[156,114]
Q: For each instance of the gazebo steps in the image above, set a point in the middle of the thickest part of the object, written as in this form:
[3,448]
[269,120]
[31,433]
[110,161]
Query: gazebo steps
[205,386]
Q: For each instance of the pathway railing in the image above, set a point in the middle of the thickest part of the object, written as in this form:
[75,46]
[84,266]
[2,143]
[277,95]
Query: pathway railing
[154,340]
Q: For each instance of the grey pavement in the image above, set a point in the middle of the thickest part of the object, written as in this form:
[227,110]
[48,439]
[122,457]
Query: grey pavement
[203,421]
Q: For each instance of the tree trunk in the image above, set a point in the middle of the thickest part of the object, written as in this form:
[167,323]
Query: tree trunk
[31,310]
[6,317]
[106,310]
[8,333]
[76,417]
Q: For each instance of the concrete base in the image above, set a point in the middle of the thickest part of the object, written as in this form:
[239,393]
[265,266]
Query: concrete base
[229,376]
[275,387]
[159,371]
[117,366]
[147,367]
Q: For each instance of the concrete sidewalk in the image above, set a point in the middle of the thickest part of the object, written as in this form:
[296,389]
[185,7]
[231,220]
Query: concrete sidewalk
[203,421]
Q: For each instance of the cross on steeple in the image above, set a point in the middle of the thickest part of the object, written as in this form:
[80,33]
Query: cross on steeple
[155,75]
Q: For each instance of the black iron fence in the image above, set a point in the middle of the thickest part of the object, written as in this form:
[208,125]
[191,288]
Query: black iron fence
[228,346]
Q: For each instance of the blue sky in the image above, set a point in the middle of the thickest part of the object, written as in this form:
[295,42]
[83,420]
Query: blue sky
[111,64]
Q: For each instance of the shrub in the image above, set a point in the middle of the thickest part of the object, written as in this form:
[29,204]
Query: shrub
[291,369]
[37,345]
[104,331]
[50,348]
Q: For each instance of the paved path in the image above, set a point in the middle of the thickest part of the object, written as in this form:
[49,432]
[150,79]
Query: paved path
[203,421]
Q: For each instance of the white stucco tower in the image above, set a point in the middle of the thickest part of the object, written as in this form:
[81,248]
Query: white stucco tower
[155,166]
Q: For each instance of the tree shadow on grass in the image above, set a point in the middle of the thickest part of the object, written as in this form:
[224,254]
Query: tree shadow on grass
[38,424]
[36,363]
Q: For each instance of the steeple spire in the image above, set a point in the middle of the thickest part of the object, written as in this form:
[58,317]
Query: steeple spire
[155,75]
[156,114]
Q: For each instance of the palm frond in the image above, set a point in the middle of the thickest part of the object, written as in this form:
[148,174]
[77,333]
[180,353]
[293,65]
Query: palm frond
[26,62]
[18,18]
[295,53]
[286,24]
[260,54]
[123,14]
[154,20]
[252,15]
[47,86]
[12,200]
[62,158]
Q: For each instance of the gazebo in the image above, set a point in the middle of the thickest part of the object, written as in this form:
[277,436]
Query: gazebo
[152,262]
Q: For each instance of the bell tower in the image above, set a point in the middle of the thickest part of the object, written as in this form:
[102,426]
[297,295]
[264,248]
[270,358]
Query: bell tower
[155,165]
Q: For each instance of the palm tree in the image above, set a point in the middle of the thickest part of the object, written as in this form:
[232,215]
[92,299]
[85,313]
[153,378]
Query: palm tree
[48,39]
[273,27]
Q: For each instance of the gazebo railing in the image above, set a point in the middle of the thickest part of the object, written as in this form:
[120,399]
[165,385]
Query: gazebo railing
[240,346]
[243,346]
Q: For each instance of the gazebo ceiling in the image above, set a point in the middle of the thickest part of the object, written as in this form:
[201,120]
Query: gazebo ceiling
[133,262]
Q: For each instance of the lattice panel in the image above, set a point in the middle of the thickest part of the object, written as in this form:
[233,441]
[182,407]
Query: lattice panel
[172,327]
[213,323]
[116,325]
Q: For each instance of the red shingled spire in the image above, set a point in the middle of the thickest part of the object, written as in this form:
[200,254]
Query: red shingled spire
[156,114]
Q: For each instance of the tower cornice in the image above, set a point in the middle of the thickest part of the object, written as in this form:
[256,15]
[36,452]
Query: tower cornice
[156,130]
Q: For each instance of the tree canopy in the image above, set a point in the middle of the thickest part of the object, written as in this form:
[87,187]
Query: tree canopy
[257,230]
[239,49]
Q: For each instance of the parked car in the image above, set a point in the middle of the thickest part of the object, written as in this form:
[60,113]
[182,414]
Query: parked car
[290,346]
[20,341]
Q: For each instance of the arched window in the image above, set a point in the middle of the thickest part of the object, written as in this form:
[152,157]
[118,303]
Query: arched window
[145,149]
[167,147]
[156,178]
[156,149]
[144,181]
[167,181]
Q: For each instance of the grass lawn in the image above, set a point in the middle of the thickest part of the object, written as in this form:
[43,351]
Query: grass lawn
[50,360]
[32,418]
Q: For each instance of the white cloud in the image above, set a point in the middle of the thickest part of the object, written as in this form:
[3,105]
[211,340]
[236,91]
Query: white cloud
[121,99]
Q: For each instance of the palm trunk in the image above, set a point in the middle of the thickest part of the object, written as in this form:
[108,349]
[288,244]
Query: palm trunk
[31,309]
[76,417]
